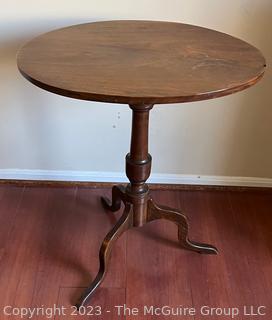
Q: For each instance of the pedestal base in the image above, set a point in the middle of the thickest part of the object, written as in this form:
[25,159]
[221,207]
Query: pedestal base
[139,210]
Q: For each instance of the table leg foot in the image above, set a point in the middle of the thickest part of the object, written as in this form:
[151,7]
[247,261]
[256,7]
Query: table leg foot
[118,194]
[161,212]
[124,223]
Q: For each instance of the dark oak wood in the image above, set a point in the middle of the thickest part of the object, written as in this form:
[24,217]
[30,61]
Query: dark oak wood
[140,62]
[118,195]
[139,207]
[138,161]
[124,223]
[161,212]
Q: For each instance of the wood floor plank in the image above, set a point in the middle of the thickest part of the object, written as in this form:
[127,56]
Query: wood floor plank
[152,267]
[55,242]
[21,264]
[50,239]
[74,229]
[250,264]
[103,305]
[96,222]
[10,199]
[207,272]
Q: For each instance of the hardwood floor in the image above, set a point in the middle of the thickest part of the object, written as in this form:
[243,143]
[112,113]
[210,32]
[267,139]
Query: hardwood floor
[50,238]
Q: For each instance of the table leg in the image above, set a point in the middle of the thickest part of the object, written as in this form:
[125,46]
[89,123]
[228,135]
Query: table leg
[139,207]
[118,195]
[161,212]
[124,223]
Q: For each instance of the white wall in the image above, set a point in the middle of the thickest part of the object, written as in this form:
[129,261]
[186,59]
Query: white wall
[230,136]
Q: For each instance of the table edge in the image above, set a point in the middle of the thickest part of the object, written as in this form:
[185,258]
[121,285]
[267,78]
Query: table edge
[97,97]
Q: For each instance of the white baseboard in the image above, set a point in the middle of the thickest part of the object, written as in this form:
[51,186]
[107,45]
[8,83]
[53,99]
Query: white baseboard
[95,176]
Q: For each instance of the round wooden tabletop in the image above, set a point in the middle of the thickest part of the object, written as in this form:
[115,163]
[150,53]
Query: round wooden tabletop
[140,62]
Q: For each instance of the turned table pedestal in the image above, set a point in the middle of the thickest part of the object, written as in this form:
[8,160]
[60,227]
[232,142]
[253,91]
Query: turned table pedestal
[140,63]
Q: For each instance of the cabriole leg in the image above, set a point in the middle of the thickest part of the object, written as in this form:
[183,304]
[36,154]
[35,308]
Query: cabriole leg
[122,225]
[118,195]
[159,212]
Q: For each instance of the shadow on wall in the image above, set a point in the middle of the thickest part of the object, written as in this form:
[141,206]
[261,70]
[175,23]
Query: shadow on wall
[21,107]
[249,144]
[32,119]
[252,132]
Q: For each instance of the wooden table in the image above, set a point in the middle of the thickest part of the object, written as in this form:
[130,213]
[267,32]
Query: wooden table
[140,63]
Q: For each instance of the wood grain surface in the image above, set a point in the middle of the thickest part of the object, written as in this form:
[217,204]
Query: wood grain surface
[50,239]
[140,62]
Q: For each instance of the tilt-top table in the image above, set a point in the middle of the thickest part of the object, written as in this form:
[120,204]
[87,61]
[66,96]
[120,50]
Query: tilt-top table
[140,63]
